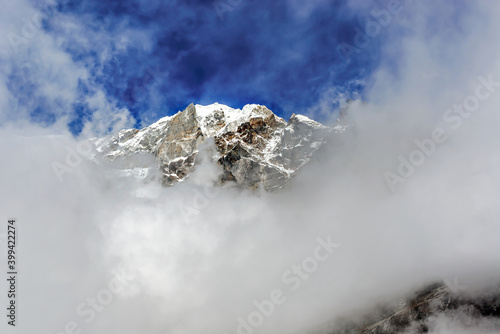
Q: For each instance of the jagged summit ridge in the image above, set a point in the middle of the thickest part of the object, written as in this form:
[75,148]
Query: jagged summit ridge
[253,145]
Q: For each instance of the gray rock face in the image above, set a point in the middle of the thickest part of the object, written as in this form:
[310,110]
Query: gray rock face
[254,146]
[418,312]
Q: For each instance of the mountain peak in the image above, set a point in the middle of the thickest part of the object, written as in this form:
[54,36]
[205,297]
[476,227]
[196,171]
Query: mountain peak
[254,146]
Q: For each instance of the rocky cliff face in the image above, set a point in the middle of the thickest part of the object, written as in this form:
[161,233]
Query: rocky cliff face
[416,314]
[254,146]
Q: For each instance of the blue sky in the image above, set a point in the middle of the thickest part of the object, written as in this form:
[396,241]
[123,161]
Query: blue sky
[154,58]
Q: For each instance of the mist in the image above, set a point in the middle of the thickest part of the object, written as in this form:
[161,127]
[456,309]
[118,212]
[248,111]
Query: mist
[408,195]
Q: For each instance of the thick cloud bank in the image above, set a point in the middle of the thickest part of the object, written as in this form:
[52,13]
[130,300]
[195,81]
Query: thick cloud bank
[407,196]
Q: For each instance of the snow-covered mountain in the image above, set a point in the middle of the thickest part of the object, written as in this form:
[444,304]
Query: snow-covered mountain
[254,146]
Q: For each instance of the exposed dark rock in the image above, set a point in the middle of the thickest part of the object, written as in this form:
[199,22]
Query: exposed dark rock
[416,312]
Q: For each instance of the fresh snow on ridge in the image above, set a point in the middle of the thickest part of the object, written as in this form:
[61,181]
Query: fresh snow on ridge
[231,117]
[307,120]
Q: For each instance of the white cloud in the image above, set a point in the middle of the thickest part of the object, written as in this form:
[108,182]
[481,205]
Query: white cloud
[37,67]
